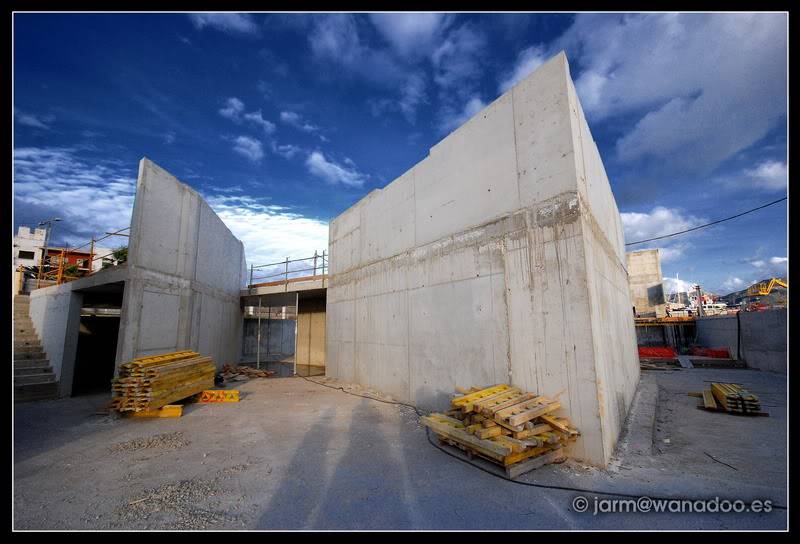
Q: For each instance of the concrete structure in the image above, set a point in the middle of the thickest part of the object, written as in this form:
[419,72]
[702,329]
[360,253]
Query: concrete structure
[305,300]
[27,247]
[759,338]
[646,283]
[499,258]
[178,290]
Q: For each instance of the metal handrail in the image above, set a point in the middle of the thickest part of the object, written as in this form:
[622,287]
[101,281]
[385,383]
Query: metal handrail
[286,273]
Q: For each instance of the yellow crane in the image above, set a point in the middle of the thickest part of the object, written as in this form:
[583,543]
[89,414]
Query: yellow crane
[763,288]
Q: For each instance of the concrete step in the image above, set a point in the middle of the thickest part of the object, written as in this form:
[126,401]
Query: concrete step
[25,336]
[25,356]
[33,392]
[30,363]
[27,343]
[32,348]
[39,369]
[30,379]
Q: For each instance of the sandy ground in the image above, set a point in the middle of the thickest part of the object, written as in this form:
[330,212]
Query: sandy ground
[294,454]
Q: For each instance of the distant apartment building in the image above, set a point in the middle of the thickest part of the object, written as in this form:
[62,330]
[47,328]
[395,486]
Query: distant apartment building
[27,247]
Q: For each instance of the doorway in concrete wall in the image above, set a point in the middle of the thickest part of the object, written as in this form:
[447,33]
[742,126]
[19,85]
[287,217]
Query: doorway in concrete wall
[310,352]
[97,339]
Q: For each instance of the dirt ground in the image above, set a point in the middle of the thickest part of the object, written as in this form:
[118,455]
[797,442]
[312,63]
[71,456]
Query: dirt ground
[296,455]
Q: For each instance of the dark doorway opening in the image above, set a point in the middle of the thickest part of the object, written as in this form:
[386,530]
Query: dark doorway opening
[97,339]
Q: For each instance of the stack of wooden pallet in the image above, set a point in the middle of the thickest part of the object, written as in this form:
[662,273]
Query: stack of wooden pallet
[148,383]
[731,398]
[505,425]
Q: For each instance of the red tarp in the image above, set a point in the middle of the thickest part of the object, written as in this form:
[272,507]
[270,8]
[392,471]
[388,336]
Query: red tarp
[648,352]
[718,353]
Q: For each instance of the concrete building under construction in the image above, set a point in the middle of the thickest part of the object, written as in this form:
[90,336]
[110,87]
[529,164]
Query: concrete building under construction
[499,258]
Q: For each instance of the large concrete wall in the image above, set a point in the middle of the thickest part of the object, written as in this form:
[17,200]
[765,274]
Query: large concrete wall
[497,259]
[182,283]
[761,342]
[646,283]
[186,273]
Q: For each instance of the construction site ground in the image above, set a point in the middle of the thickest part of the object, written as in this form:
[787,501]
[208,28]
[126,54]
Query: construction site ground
[296,455]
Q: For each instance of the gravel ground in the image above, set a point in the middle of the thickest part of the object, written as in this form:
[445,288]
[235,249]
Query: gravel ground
[296,455]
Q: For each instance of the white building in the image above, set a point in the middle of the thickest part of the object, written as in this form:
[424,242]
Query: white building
[27,247]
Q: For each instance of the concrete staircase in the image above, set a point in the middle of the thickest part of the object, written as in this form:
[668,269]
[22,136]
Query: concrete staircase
[33,377]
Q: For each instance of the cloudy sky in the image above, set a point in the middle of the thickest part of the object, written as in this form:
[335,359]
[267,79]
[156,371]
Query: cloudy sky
[284,121]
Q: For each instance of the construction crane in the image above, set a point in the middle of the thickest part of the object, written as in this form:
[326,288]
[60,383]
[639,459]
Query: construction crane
[763,288]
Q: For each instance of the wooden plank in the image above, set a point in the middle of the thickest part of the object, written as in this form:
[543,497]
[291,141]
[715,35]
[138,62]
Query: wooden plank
[488,432]
[486,447]
[517,469]
[520,407]
[708,399]
[559,423]
[497,398]
[537,429]
[483,393]
[474,406]
[491,410]
[515,445]
[533,413]
[170,410]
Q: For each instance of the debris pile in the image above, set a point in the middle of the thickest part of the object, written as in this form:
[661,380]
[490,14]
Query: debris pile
[506,426]
[242,373]
[148,383]
[731,398]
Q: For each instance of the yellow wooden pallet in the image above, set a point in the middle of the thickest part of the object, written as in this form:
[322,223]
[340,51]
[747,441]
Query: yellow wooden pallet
[505,425]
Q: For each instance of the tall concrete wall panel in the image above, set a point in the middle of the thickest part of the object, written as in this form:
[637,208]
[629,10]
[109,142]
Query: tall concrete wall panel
[497,259]
[186,272]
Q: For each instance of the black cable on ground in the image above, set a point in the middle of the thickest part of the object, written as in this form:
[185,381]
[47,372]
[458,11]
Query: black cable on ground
[496,475]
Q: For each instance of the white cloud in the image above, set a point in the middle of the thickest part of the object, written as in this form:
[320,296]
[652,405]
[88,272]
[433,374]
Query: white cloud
[35,121]
[779,261]
[169,138]
[95,197]
[234,23]
[92,197]
[771,175]
[677,285]
[456,60]
[234,110]
[711,84]
[732,284]
[269,233]
[334,173]
[258,119]
[287,151]
[336,39]
[249,148]
[452,120]
[293,119]
[658,222]
[410,33]
[527,61]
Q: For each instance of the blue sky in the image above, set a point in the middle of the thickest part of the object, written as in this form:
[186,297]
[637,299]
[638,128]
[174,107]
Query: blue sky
[283,121]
